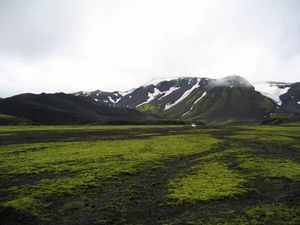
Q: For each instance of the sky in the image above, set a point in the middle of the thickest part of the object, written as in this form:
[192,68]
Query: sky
[72,45]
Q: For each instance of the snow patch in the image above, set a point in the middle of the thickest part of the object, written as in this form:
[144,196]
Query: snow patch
[110,99]
[271,91]
[151,96]
[124,93]
[202,96]
[187,112]
[113,100]
[192,107]
[86,93]
[156,81]
[185,94]
[168,92]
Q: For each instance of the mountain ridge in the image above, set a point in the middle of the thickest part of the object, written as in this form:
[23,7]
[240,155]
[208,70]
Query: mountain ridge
[156,81]
[184,94]
[61,108]
[205,100]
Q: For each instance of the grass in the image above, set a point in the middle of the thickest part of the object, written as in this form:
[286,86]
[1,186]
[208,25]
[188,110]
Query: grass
[177,174]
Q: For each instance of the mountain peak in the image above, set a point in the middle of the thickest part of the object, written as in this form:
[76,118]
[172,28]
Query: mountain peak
[231,81]
[157,80]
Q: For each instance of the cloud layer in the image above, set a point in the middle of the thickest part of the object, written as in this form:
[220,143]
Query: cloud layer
[71,45]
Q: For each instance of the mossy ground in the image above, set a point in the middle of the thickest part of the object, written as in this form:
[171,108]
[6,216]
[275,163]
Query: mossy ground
[150,175]
[11,120]
[148,107]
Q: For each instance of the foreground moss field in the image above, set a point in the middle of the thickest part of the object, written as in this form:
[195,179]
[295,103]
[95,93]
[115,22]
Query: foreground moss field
[150,174]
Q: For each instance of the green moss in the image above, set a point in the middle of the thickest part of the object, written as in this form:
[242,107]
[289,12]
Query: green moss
[23,128]
[274,214]
[271,132]
[261,137]
[268,134]
[3,116]
[208,181]
[12,120]
[20,203]
[273,167]
[28,203]
[84,163]
[148,107]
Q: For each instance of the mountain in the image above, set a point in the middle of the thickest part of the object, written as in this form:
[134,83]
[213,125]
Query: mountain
[272,89]
[63,108]
[230,98]
[286,95]
[291,99]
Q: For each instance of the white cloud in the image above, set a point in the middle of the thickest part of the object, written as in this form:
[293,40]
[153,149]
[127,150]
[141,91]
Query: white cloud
[116,45]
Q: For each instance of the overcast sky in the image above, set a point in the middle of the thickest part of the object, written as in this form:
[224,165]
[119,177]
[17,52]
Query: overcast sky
[72,45]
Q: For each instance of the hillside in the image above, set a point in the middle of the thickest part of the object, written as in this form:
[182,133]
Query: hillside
[291,99]
[63,108]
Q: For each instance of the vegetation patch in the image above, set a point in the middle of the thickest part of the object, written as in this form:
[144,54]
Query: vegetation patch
[87,162]
[270,132]
[148,107]
[11,120]
[213,180]
[3,116]
[273,167]
[276,214]
[266,136]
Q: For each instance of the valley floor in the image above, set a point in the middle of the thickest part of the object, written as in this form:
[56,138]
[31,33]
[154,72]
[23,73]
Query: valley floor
[150,175]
